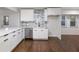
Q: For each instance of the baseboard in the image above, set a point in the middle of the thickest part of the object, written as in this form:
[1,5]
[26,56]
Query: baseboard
[39,39]
[28,38]
[55,37]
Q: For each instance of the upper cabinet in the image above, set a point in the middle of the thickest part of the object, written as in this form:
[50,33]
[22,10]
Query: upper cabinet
[53,11]
[27,15]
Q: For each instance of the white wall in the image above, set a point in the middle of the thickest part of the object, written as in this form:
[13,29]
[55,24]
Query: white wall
[14,20]
[13,9]
[1,21]
[13,17]
[54,26]
[71,30]
[70,12]
[54,11]
[3,12]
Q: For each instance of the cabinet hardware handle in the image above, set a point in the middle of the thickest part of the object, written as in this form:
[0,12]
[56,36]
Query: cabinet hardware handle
[14,31]
[14,35]
[19,30]
[5,34]
[5,40]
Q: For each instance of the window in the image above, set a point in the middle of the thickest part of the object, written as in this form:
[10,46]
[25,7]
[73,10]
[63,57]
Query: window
[72,21]
[69,21]
[63,21]
[6,20]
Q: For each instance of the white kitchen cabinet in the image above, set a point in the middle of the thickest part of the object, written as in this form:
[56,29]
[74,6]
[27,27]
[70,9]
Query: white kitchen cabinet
[40,34]
[9,41]
[43,33]
[35,34]
[14,39]
[19,33]
[17,37]
[27,15]
[5,44]
[53,11]
[23,33]
[2,44]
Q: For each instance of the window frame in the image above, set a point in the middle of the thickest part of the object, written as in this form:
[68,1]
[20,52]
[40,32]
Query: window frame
[65,20]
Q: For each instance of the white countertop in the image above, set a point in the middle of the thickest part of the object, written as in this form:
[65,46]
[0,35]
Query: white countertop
[4,31]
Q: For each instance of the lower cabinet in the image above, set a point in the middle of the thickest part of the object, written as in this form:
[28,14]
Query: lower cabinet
[43,34]
[19,33]
[5,44]
[40,34]
[23,33]
[14,40]
[9,41]
[35,34]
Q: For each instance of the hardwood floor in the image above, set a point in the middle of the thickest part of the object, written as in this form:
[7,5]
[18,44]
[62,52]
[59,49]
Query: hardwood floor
[68,43]
[52,45]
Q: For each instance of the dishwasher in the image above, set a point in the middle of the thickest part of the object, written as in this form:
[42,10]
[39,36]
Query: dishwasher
[28,33]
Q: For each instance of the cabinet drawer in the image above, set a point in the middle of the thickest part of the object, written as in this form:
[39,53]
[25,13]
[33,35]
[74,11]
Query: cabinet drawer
[5,44]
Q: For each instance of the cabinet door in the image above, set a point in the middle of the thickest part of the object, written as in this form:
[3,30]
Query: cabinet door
[19,33]
[39,33]
[35,34]
[44,34]
[23,33]
[27,14]
[1,44]
[5,44]
[14,40]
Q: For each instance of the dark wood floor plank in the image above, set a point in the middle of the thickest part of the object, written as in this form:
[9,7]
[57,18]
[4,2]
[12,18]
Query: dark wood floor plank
[39,45]
[68,43]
